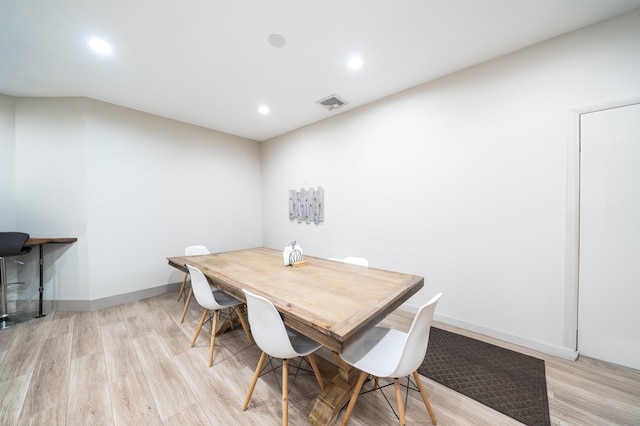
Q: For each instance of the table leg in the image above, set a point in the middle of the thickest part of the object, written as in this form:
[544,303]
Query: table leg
[336,394]
[229,324]
[40,314]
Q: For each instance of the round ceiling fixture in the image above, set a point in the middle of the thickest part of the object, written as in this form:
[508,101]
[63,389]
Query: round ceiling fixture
[101,46]
[276,40]
[354,62]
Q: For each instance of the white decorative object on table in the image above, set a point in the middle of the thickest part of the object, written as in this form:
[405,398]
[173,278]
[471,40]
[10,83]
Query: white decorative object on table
[294,249]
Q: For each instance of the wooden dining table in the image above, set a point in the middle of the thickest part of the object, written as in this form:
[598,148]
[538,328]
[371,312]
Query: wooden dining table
[329,301]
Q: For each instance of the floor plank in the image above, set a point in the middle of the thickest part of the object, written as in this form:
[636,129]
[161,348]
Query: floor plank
[86,334]
[26,340]
[49,385]
[133,364]
[89,402]
[170,391]
[12,394]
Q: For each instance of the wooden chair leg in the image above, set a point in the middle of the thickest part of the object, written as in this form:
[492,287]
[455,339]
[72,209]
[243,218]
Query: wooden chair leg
[285,392]
[231,320]
[403,421]
[425,398]
[316,371]
[186,305]
[254,380]
[354,397]
[245,324]
[195,337]
[214,327]
[184,284]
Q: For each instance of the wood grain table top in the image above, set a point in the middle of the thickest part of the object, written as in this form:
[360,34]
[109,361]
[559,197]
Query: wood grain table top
[38,241]
[330,301]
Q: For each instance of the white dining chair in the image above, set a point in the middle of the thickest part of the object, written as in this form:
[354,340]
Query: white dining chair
[189,251]
[277,341]
[384,352]
[353,260]
[213,301]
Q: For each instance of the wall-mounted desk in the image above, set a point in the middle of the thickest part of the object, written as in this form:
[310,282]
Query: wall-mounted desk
[40,242]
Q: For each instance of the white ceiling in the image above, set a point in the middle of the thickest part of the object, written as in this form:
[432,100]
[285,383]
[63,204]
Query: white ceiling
[209,62]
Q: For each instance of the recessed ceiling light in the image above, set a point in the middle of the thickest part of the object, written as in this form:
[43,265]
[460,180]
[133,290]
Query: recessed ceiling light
[276,40]
[100,46]
[263,109]
[354,62]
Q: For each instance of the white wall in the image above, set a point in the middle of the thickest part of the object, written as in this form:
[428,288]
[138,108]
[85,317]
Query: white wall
[7,166]
[134,188]
[50,198]
[462,181]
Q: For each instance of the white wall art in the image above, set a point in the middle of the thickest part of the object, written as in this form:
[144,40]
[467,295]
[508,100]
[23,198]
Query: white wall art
[306,205]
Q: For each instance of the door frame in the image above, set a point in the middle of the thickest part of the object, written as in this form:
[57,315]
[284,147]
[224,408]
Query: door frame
[572,219]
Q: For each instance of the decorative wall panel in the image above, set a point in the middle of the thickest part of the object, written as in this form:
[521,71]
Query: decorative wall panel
[306,205]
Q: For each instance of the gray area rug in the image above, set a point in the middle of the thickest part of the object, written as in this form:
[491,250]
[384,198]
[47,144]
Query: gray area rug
[507,381]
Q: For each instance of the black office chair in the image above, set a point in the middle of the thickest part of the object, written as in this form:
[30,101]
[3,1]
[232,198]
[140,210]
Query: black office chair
[11,244]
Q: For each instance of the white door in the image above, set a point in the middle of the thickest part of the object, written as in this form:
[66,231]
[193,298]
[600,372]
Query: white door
[609,274]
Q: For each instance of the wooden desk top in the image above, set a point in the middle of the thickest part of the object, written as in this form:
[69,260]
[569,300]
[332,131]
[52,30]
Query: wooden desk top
[38,241]
[332,302]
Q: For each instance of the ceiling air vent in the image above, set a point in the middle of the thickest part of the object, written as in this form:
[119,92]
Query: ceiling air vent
[332,102]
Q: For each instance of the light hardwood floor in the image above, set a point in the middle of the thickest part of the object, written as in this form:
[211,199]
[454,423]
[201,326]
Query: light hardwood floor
[133,364]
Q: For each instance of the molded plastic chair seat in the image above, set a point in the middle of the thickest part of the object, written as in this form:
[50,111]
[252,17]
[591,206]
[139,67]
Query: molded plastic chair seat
[377,352]
[302,345]
[277,341]
[385,352]
[213,300]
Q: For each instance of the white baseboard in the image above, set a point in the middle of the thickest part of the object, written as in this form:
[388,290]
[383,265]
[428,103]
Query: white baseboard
[107,302]
[558,351]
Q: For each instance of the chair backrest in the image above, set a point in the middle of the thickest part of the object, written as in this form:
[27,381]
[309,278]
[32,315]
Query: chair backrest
[415,346]
[12,243]
[195,250]
[267,327]
[356,261]
[201,289]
